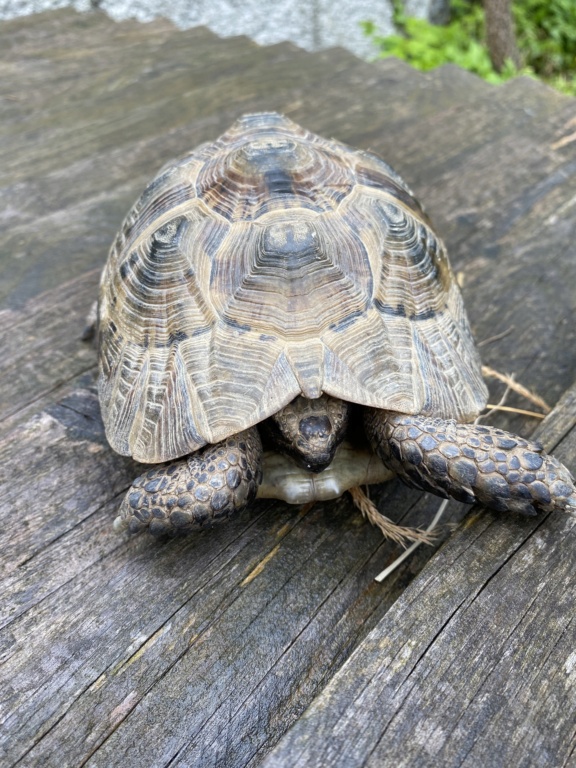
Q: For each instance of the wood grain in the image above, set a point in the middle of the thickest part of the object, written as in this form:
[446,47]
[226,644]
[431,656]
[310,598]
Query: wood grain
[206,650]
[473,665]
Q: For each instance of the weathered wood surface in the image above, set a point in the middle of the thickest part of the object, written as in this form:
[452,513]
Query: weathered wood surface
[206,650]
[474,665]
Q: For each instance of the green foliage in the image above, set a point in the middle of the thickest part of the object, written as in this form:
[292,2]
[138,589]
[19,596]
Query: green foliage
[546,33]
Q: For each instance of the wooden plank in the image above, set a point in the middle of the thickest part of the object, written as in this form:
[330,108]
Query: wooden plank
[67,575]
[473,665]
[119,623]
[206,650]
[42,346]
[130,627]
[87,156]
[496,191]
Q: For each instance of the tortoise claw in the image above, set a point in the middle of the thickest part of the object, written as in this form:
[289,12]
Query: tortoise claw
[570,507]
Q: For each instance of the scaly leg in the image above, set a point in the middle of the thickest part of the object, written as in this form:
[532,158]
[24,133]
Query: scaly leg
[196,492]
[471,462]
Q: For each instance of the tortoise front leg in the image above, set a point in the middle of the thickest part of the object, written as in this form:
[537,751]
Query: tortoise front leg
[471,462]
[196,492]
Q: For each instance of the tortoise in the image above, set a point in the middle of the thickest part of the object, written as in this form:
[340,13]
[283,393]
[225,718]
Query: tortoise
[277,317]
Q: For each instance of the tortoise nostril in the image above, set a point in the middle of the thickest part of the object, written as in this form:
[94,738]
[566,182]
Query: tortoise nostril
[315,427]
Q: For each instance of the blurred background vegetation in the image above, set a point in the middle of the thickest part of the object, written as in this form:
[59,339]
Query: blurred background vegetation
[495,39]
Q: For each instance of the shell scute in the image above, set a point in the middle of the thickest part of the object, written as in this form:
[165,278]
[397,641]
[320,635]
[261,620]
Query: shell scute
[268,264]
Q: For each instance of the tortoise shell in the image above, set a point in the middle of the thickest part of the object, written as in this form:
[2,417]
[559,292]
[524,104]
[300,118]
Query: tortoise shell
[267,264]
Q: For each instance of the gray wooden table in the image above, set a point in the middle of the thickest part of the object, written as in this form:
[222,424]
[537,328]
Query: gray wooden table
[268,641]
